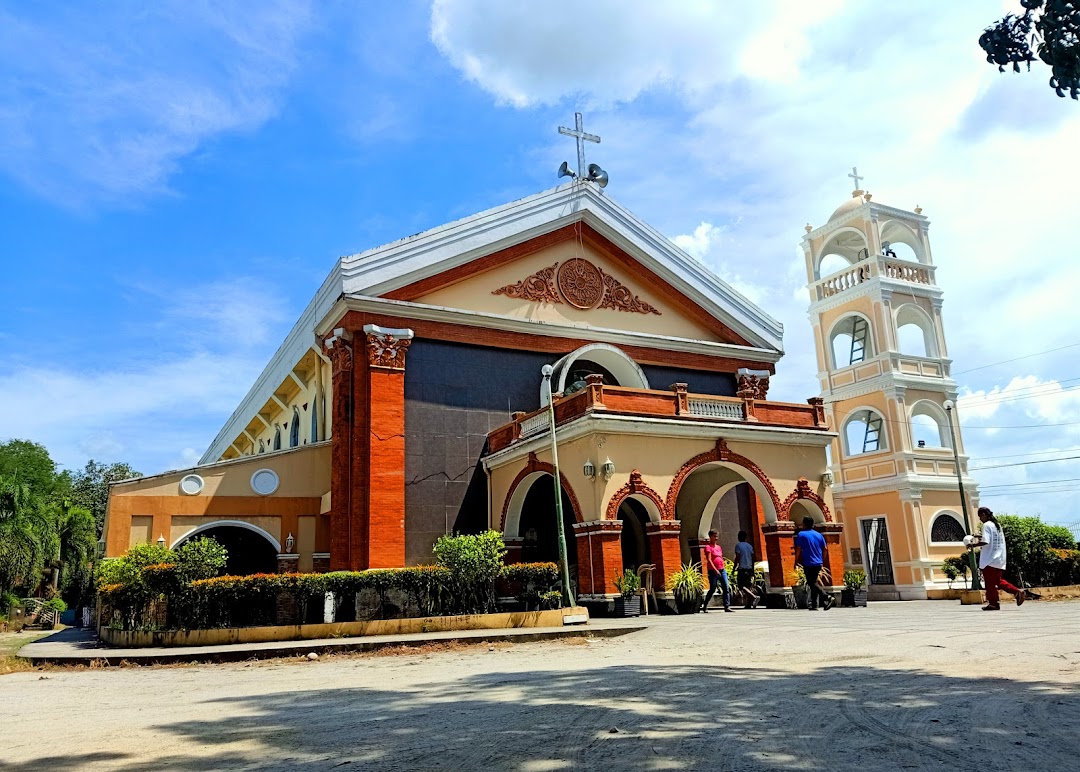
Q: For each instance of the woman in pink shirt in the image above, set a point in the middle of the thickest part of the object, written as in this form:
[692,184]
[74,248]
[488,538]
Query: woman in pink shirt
[714,561]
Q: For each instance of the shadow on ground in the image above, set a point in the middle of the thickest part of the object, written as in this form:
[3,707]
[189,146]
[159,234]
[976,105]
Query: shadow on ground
[629,718]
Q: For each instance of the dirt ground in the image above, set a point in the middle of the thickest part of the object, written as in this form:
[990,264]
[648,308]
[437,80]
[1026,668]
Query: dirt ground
[897,686]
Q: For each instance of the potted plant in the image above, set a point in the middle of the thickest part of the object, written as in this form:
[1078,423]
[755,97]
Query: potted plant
[950,572]
[799,591]
[854,592]
[688,586]
[628,604]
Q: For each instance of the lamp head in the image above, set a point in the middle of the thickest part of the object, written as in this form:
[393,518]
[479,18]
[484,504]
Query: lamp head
[547,370]
[947,404]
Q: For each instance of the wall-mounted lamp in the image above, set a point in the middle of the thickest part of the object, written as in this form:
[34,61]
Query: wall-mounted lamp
[589,470]
[827,478]
[922,443]
[290,542]
[101,548]
[608,469]
[161,540]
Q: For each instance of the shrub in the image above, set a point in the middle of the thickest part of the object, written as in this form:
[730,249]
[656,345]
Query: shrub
[529,583]
[200,558]
[1028,544]
[56,604]
[628,582]
[474,562]
[950,572]
[687,582]
[854,578]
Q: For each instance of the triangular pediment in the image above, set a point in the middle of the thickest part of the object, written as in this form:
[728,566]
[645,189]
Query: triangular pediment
[570,276]
[509,244]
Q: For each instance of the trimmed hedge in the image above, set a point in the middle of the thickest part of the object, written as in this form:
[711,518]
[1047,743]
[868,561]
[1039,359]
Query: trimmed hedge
[161,600]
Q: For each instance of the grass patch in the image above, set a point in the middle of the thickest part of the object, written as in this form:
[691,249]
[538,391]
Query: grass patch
[11,643]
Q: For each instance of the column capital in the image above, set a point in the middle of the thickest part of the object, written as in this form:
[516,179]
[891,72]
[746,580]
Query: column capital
[339,350]
[386,346]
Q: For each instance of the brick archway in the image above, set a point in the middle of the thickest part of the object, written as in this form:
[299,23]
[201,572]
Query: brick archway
[803,491]
[636,486]
[534,466]
[724,454]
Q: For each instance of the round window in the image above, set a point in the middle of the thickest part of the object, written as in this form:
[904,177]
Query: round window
[264,482]
[191,485]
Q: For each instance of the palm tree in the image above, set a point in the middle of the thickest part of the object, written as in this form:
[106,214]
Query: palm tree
[27,537]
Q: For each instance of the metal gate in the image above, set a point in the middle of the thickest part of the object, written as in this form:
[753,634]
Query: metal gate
[876,541]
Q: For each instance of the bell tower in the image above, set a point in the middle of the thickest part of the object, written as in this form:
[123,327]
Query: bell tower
[884,369]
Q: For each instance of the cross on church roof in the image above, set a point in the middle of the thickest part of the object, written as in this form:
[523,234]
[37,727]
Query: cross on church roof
[855,176]
[578,132]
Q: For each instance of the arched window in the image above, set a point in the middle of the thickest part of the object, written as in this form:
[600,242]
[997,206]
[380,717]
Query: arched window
[864,432]
[843,249]
[915,332]
[315,420]
[900,241]
[929,427]
[294,428]
[946,529]
[851,341]
[277,438]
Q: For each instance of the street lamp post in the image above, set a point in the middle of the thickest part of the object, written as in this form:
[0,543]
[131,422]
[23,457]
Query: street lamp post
[564,568]
[975,583]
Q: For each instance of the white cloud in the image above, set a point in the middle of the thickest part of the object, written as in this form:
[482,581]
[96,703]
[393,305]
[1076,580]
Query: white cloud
[102,102]
[754,123]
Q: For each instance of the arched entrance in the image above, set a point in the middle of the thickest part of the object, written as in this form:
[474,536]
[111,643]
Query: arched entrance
[251,550]
[634,539]
[717,497]
[537,525]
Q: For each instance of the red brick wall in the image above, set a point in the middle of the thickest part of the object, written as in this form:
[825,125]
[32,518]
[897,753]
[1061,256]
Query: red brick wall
[665,550]
[599,557]
[780,549]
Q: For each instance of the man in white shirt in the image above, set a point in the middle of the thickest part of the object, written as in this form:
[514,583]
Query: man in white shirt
[992,561]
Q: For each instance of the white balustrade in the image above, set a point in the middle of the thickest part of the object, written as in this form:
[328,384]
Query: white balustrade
[534,424]
[715,408]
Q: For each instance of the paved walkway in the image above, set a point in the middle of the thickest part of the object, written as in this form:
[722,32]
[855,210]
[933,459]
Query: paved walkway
[81,647]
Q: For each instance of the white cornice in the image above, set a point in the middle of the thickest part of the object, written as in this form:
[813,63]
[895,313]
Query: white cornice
[409,310]
[660,427]
[906,483]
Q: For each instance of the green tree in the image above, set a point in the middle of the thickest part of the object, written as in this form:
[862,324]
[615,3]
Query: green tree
[1028,545]
[90,487]
[29,462]
[27,535]
[1048,28]
[78,545]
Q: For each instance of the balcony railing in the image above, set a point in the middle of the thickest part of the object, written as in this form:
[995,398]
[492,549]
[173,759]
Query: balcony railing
[864,270]
[598,399]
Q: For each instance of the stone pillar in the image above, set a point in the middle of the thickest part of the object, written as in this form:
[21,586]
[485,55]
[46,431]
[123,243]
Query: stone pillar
[286,564]
[834,550]
[780,551]
[339,351]
[665,550]
[599,551]
[378,506]
[682,400]
[513,549]
[320,562]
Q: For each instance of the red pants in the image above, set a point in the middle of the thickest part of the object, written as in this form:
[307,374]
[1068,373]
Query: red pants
[993,579]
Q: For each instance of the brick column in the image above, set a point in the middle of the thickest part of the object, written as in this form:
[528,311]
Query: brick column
[339,350]
[599,551]
[320,562]
[378,505]
[665,550]
[780,551]
[513,549]
[834,550]
[286,564]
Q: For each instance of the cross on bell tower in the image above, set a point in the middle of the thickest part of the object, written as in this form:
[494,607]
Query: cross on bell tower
[578,133]
[855,176]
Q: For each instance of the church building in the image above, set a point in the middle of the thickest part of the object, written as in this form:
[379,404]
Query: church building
[408,402]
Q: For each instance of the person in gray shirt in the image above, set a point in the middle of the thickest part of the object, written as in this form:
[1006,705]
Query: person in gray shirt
[744,566]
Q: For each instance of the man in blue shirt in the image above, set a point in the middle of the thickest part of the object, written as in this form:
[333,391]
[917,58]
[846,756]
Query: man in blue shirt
[744,562]
[810,553]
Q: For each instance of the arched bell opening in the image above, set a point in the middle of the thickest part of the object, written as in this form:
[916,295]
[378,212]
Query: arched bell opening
[845,248]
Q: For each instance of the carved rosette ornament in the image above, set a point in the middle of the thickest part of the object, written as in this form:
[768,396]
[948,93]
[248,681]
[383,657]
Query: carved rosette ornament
[539,287]
[387,347]
[581,283]
[339,351]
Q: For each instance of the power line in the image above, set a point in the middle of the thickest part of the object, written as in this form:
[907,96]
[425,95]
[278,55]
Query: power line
[1032,453]
[999,494]
[1037,482]
[1017,359]
[1023,463]
[1016,395]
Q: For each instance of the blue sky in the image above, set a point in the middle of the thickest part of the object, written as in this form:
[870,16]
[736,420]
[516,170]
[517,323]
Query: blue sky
[176,182]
